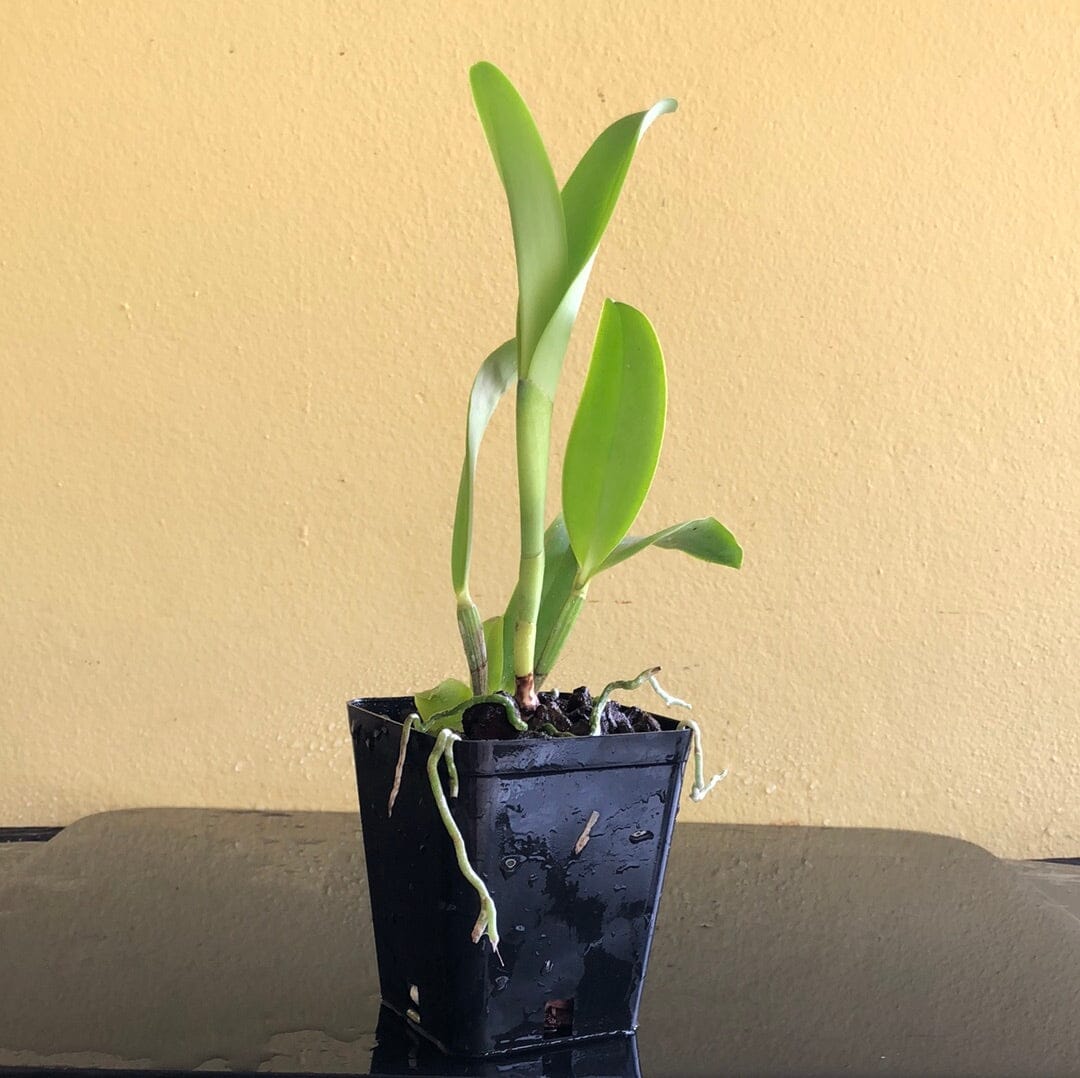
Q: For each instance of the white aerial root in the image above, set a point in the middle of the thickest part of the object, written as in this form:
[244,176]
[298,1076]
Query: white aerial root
[700,787]
[406,729]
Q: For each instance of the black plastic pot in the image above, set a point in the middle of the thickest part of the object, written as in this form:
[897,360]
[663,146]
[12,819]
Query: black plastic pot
[575,927]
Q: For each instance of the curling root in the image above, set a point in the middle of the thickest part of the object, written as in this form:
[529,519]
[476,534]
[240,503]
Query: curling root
[486,922]
[633,683]
[700,787]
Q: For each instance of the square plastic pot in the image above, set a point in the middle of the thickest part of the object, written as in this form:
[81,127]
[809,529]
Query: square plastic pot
[576,902]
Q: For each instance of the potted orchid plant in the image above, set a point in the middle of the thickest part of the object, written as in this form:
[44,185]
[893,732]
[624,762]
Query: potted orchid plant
[516,836]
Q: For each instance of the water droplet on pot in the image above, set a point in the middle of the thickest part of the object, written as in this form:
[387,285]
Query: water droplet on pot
[641,836]
[547,966]
[501,983]
[519,928]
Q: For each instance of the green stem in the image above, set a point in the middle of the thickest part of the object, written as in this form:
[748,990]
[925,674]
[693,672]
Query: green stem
[472,638]
[533,440]
[486,923]
[560,631]
[700,787]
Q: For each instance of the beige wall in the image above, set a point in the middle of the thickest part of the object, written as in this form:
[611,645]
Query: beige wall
[252,253]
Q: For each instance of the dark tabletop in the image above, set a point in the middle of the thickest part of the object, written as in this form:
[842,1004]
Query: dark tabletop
[184,938]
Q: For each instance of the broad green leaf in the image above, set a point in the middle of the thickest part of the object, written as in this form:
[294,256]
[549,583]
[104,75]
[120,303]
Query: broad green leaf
[445,695]
[499,676]
[496,375]
[705,538]
[590,195]
[615,439]
[589,199]
[536,213]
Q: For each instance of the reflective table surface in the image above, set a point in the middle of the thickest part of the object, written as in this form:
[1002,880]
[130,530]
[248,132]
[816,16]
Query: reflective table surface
[181,940]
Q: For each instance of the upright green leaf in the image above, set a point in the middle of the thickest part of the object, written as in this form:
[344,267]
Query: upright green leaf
[550,351]
[615,439]
[560,568]
[551,285]
[590,194]
[536,213]
[497,373]
[705,538]
[589,198]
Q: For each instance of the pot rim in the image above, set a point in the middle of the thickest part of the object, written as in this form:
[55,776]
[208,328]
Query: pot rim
[654,748]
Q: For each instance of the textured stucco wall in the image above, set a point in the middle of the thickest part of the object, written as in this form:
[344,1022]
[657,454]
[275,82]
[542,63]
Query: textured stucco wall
[252,253]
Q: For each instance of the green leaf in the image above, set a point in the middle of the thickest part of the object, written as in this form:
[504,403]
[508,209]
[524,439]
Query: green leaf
[536,213]
[550,351]
[496,375]
[509,620]
[705,538]
[445,695]
[500,677]
[615,439]
[590,195]
[589,199]
[560,568]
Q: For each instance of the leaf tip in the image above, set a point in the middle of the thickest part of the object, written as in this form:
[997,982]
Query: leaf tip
[483,74]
